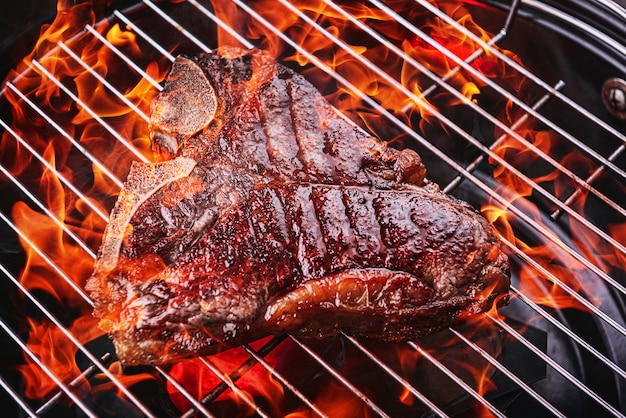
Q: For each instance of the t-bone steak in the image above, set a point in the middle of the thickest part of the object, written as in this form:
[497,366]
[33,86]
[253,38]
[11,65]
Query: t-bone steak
[269,213]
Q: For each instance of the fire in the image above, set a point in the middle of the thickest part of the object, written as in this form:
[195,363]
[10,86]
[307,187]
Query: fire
[60,244]
[50,344]
[557,274]
[111,127]
[257,382]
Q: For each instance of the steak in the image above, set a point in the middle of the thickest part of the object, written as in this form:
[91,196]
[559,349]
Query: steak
[267,212]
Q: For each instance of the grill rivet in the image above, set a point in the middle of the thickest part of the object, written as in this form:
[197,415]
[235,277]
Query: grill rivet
[614,97]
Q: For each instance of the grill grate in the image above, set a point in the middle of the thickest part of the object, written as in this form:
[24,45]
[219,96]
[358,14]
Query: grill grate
[195,26]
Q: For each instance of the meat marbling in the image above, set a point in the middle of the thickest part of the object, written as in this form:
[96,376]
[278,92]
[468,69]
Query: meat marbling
[269,213]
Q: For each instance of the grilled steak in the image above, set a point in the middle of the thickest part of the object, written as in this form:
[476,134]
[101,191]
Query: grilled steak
[269,213]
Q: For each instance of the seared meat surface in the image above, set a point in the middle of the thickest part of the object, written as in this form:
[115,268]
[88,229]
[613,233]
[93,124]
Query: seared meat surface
[269,213]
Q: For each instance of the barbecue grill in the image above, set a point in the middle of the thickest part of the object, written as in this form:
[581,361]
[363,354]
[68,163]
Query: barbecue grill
[517,107]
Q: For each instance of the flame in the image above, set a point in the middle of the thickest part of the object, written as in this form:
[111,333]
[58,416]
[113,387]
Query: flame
[83,63]
[199,380]
[51,345]
[557,276]
[50,236]
[85,215]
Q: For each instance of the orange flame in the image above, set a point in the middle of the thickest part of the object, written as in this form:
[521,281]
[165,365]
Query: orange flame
[84,63]
[80,214]
[557,274]
[199,380]
[70,215]
[51,345]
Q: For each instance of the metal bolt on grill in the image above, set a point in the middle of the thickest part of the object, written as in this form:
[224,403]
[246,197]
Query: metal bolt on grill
[543,161]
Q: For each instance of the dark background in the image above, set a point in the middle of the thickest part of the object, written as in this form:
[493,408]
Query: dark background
[20,22]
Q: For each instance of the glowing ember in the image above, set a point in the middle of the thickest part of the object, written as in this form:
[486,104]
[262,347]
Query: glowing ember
[110,127]
[256,382]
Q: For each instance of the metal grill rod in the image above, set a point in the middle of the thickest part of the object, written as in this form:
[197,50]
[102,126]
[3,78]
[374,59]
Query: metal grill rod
[17,398]
[74,384]
[176,25]
[52,169]
[130,396]
[571,334]
[441,81]
[25,349]
[589,180]
[104,82]
[143,35]
[188,396]
[470,390]
[508,374]
[441,155]
[614,6]
[549,361]
[226,379]
[434,408]
[283,381]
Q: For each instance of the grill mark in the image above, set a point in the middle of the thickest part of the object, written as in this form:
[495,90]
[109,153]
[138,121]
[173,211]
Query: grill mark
[335,226]
[365,224]
[311,248]
[282,146]
[309,136]
[269,236]
[403,230]
[247,138]
[278,210]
